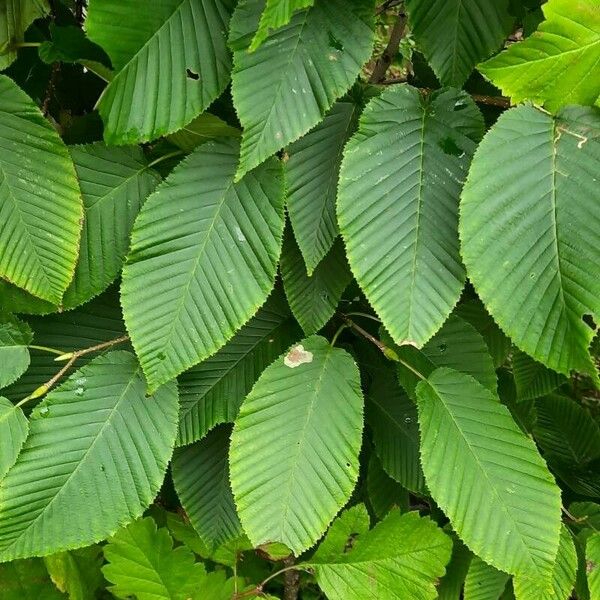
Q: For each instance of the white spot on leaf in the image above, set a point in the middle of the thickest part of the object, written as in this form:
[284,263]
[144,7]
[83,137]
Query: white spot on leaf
[297,356]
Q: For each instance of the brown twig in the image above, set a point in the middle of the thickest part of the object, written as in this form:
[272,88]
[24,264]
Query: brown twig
[387,5]
[387,57]
[72,357]
[291,580]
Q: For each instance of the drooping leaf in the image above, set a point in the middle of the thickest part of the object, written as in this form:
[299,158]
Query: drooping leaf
[286,86]
[484,582]
[392,417]
[533,380]
[25,579]
[114,184]
[171,62]
[276,14]
[401,557]
[203,258]
[15,18]
[143,563]
[15,336]
[557,65]
[400,182]
[13,431]
[560,584]
[529,219]
[313,298]
[95,458]
[212,391]
[40,202]
[457,345]
[289,486]
[203,128]
[312,172]
[592,555]
[455,35]
[201,478]
[487,476]
[77,572]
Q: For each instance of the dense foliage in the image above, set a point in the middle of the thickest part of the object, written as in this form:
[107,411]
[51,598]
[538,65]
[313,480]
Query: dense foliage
[299,299]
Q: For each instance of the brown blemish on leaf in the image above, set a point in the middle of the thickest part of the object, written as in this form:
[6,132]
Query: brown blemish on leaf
[297,356]
[590,565]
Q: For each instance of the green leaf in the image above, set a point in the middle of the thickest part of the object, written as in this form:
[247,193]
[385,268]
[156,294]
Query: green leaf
[77,572]
[455,35]
[70,44]
[15,18]
[401,557]
[533,380]
[276,14]
[40,202]
[27,579]
[561,583]
[392,417]
[484,582]
[559,64]
[487,476]
[592,555]
[203,128]
[313,298]
[15,336]
[114,184]
[529,222]
[13,299]
[457,345]
[203,258]
[95,458]
[451,584]
[286,86]
[398,205]
[295,444]
[201,478]
[212,391]
[143,563]
[13,431]
[171,62]
[312,172]
[383,492]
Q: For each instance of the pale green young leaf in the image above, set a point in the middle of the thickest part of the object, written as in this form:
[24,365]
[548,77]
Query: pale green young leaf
[95,457]
[276,14]
[592,555]
[77,572]
[15,18]
[203,258]
[529,223]
[15,336]
[289,486]
[13,431]
[287,85]
[484,582]
[557,65]
[171,62]
[40,201]
[487,475]
[400,182]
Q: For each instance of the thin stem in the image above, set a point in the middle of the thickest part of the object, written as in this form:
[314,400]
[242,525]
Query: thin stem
[365,315]
[73,356]
[259,588]
[18,45]
[164,157]
[291,580]
[337,334]
[46,349]
[388,55]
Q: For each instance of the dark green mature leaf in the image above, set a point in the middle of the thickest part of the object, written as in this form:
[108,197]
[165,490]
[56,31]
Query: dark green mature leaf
[114,184]
[27,579]
[286,86]
[13,299]
[15,18]
[401,557]
[484,582]
[392,417]
[15,336]
[398,205]
[289,486]
[487,476]
[276,14]
[529,223]
[70,44]
[212,391]
[533,379]
[143,563]
[559,64]
[451,584]
[312,172]
[384,493]
[171,62]
[203,258]
[313,298]
[95,457]
[455,35]
[77,572]
[201,478]
[203,128]
[13,431]
[40,202]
